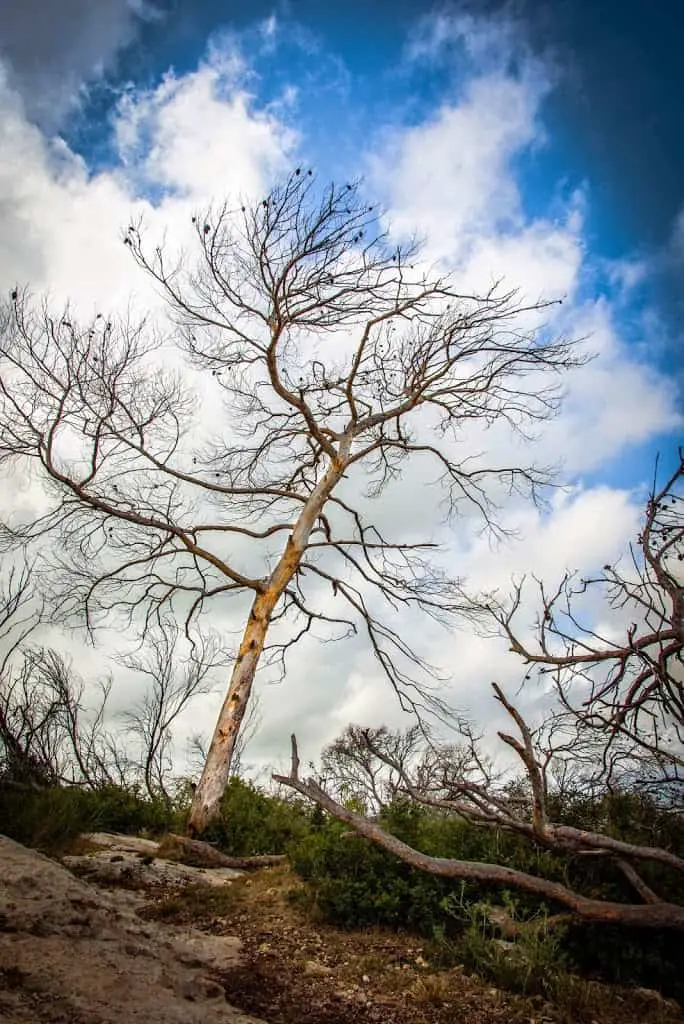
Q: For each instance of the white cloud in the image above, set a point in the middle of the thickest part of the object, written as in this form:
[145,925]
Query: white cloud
[613,402]
[195,138]
[200,136]
[54,50]
[452,178]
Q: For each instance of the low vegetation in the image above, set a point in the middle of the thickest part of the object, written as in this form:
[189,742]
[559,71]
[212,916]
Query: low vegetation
[344,882]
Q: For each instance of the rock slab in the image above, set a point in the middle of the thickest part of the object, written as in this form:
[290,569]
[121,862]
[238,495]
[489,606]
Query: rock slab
[71,954]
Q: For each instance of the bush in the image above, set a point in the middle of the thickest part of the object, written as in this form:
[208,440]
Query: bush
[50,819]
[531,963]
[353,883]
[252,823]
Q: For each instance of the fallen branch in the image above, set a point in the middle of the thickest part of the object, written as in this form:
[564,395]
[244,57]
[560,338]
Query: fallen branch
[197,854]
[650,915]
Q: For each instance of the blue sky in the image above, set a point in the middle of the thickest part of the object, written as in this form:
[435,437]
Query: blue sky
[612,117]
[542,142]
[616,114]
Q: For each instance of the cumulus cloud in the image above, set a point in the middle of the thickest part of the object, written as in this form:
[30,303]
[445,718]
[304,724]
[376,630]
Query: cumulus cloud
[454,178]
[199,135]
[180,145]
[52,50]
[450,175]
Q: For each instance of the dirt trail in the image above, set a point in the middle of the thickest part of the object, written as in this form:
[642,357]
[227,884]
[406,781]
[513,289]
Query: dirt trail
[162,945]
[296,971]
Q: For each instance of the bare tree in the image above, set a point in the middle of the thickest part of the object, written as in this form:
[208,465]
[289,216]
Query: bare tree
[19,616]
[351,769]
[466,786]
[173,682]
[332,353]
[626,696]
[51,735]
[616,724]
[48,737]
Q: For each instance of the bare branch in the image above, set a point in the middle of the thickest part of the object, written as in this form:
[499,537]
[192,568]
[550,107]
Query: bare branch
[321,352]
[652,915]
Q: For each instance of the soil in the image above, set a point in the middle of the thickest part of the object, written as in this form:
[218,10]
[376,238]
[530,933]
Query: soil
[295,970]
[140,945]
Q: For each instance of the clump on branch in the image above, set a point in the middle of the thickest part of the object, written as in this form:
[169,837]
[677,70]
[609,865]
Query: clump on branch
[331,352]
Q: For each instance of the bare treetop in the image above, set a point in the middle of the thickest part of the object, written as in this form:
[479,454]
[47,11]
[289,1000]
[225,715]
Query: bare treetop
[327,348]
[626,687]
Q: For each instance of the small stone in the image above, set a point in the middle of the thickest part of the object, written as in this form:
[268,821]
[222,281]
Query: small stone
[314,968]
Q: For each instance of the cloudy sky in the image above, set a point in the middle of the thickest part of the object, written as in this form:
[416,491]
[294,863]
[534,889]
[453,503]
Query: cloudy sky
[546,148]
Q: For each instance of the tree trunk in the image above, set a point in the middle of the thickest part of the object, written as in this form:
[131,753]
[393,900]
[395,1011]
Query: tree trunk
[202,855]
[214,779]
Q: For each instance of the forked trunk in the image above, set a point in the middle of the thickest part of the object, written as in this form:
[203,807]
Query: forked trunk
[216,772]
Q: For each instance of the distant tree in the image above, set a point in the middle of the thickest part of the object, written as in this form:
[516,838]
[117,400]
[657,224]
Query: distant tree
[171,682]
[50,735]
[334,354]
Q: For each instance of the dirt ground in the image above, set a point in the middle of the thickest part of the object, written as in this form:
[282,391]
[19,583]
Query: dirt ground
[127,941]
[296,971]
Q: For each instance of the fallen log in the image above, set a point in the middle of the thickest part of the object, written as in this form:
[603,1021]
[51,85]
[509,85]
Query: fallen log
[197,854]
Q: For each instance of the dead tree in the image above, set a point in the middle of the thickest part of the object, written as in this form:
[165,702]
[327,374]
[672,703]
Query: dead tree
[333,355]
[466,786]
[171,683]
[44,739]
[352,771]
[624,696]
[19,616]
[50,735]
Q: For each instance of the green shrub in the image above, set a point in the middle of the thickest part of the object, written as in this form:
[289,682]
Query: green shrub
[353,883]
[532,963]
[252,823]
[50,819]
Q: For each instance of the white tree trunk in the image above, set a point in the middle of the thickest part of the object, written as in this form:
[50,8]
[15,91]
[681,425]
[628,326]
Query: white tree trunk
[212,784]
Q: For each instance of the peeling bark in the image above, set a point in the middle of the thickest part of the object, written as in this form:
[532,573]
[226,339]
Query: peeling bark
[212,784]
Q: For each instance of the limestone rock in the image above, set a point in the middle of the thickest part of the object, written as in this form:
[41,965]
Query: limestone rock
[70,953]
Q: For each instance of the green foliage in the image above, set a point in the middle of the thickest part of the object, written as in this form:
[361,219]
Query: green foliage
[530,963]
[352,883]
[252,823]
[50,819]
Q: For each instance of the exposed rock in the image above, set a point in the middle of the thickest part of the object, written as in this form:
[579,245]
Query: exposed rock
[132,869]
[74,955]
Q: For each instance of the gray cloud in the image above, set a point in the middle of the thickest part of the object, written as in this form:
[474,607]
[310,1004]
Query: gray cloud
[52,49]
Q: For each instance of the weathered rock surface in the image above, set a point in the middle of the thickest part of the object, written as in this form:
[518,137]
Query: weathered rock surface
[71,954]
[133,861]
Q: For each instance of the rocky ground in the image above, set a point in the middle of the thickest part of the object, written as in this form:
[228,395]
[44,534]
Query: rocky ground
[71,953]
[144,939]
